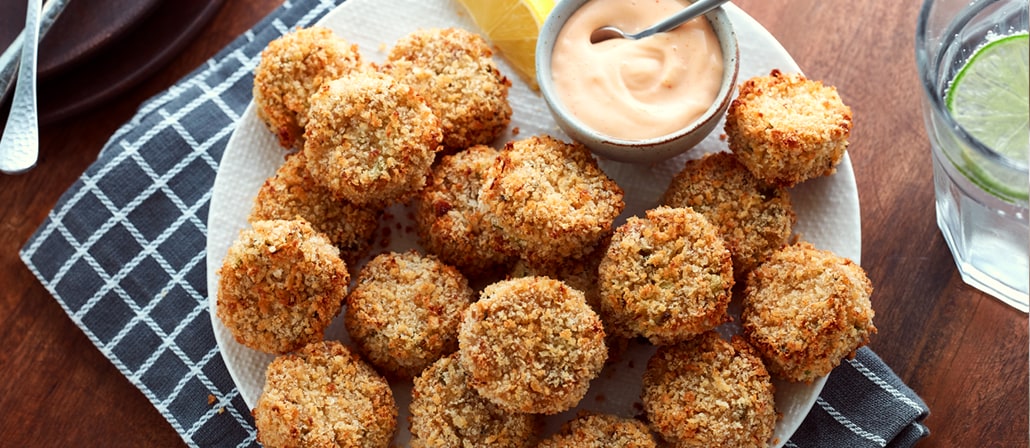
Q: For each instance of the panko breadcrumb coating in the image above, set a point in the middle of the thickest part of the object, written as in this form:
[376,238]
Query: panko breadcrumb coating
[292,193]
[551,199]
[280,286]
[404,312]
[448,218]
[753,218]
[786,128]
[666,277]
[324,395]
[446,412]
[591,430]
[531,345]
[709,393]
[581,274]
[453,70]
[370,139]
[292,68]
[805,310]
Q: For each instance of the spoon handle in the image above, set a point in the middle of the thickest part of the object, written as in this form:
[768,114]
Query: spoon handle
[9,58]
[695,9]
[19,147]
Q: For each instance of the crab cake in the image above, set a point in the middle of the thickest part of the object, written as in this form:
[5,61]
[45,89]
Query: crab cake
[292,193]
[666,277]
[707,392]
[581,274]
[324,395]
[404,312]
[550,199]
[786,128]
[805,310]
[291,69]
[370,139]
[446,412]
[280,286]
[448,218]
[454,71]
[592,430]
[531,345]
[753,218]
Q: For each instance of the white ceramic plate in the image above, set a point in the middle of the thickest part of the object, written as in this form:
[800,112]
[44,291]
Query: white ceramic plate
[827,208]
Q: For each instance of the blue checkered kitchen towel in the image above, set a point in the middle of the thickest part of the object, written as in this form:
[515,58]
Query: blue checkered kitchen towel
[123,252]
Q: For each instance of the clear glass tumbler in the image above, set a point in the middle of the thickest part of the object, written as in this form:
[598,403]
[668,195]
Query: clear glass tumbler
[981,193]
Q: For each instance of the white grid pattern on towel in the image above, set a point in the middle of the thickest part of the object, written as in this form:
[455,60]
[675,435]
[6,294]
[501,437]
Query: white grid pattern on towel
[129,150]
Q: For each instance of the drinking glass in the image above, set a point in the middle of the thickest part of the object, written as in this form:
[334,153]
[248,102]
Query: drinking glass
[981,194]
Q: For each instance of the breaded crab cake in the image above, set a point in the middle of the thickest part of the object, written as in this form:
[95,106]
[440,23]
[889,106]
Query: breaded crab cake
[805,310]
[753,218]
[280,286]
[593,430]
[581,274]
[786,128]
[292,193]
[706,392]
[448,217]
[666,277]
[324,395]
[453,70]
[404,312]
[370,139]
[531,345]
[551,199]
[292,68]
[447,412]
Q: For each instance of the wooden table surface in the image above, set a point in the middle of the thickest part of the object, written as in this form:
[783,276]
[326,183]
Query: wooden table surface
[964,352]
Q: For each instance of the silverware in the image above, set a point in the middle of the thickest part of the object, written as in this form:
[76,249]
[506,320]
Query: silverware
[19,147]
[9,59]
[695,9]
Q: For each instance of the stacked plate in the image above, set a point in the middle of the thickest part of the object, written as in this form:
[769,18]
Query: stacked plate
[97,49]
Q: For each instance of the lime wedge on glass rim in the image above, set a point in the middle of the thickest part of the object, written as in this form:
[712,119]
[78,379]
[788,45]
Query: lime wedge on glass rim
[990,99]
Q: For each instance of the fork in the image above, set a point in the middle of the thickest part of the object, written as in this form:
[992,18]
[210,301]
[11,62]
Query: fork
[19,146]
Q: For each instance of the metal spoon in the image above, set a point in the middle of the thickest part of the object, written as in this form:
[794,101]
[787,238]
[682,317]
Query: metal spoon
[19,147]
[695,9]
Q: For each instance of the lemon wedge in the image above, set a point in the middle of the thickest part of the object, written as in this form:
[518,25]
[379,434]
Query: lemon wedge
[512,26]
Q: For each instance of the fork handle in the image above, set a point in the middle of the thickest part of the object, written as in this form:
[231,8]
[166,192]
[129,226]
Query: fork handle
[19,146]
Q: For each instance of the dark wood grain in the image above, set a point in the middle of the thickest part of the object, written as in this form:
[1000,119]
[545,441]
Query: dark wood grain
[965,353]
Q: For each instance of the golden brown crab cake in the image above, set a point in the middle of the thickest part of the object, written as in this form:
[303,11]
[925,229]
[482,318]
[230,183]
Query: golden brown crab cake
[786,128]
[280,286]
[404,311]
[581,274]
[448,218]
[447,412]
[550,199]
[370,139]
[666,277]
[324,395]
[805,310]
[531,345]
[454,71]
[593,430]
[706,392]
[753,218]
[292,68]
[292,193]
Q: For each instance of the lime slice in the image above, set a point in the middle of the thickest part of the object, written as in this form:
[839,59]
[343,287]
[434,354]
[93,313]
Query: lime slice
[990,99]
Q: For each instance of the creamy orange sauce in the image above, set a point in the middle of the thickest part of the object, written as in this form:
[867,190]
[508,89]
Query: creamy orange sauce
[639,89]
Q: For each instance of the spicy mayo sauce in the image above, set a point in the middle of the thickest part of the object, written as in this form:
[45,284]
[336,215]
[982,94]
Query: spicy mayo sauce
[636,89]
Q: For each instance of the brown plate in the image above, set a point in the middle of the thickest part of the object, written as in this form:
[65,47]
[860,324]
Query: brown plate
[84,27]
[122,63]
